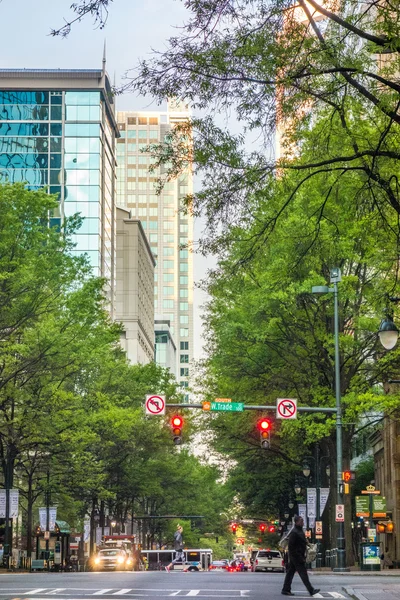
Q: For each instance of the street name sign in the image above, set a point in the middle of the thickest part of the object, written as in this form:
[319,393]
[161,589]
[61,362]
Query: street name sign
[286,408]
[223,406]
[155,405]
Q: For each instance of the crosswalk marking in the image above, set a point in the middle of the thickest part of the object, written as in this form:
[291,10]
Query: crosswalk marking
[336,595]
[174,593]
[37,591]
[193,593]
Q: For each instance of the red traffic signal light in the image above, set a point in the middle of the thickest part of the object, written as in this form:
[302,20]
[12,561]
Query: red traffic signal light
[264,424]
[271,528]
[177,424]
[262,527]
[234,528]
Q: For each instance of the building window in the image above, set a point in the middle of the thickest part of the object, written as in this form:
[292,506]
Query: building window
[184,384]
[168,212]
[184,372]
[168,251]
[142,134]
[153,237]
[183,306]
[184,358]
[168,291]
[169,224]
[184,332]
[183,253]
[183,228]
[184,319]
[168,304]
[184,346]
[183,280]
[168,264]
[168,238]
[183,267]
[153,224]
[168,276]
[183,293]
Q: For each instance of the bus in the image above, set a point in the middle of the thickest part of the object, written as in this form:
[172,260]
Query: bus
[158,559]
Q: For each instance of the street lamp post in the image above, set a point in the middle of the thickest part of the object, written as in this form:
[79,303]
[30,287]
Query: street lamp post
[335,278]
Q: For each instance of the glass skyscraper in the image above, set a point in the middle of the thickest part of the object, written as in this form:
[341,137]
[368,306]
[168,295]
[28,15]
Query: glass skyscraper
[169,230]
[57,129]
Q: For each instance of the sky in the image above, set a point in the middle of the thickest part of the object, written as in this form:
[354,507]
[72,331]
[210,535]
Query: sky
[134,28]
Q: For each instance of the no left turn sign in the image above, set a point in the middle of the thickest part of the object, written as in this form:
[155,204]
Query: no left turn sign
[286,408]
[155,405]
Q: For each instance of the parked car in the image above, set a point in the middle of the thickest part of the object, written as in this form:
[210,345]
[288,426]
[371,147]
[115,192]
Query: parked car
[112,559]
[269,560]
[219,565]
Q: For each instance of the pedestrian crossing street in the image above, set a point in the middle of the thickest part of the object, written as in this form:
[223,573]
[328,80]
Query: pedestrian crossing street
[137,593]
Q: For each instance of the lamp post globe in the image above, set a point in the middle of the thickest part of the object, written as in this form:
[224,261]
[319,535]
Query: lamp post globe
[388,333]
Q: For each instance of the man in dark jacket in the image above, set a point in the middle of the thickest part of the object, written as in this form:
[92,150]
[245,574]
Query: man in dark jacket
[297,559]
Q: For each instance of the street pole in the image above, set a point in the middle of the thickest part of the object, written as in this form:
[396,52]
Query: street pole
[341,564]
[48,518]
[336,277]
[7,531]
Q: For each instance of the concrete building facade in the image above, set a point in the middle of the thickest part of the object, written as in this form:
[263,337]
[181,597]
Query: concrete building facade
[134,306]
[169,230]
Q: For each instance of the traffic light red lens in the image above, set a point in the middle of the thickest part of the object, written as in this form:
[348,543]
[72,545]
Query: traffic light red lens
[271,529]
[262,527]
[264,425]
[177,421]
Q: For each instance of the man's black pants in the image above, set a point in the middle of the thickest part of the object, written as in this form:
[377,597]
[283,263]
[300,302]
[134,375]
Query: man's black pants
[302,571]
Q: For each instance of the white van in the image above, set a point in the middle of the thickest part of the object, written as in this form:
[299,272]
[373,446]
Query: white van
[269,560]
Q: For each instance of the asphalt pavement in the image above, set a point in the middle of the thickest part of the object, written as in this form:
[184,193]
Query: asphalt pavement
[215,585]
[155,584]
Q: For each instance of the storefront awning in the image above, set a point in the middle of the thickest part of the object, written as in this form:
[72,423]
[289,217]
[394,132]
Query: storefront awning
[63,527]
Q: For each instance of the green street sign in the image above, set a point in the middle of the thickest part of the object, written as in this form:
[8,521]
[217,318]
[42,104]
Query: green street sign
[227,406]
[362,506]
[379,507]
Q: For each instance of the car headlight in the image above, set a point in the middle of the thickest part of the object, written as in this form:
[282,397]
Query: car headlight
[129,561]
[120,560]
[96,560]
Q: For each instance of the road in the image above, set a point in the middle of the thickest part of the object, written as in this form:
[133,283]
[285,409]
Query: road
[149,585]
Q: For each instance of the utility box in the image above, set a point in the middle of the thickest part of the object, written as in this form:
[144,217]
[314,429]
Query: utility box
[370,556]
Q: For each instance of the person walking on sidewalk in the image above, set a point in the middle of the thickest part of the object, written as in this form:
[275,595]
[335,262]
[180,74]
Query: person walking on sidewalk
[297,559]
[178,546]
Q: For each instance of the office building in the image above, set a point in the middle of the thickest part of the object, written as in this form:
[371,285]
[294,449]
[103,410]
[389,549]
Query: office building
[165,349]
[58,129]
[169,230]
[134,306]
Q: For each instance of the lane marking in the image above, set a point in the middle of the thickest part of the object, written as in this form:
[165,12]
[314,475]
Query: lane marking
[121,592]
[101,592]
[193,593]
[55,591]
[175,593]
[336,595]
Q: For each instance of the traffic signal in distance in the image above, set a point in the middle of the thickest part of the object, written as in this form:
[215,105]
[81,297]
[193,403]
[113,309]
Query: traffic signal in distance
[271,528]
[348,476]
[234,528]
[177,424]
[264,426]
[262,527]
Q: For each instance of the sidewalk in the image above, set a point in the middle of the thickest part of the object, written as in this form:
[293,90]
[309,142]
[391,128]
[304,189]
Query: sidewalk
[365,591]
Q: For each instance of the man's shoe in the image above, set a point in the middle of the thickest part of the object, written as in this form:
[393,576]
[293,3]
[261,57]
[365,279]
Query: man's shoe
[167,569]
[287,593]
[314,591]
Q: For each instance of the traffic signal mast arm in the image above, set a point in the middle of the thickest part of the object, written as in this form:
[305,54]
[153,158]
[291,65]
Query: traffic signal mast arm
[311,409]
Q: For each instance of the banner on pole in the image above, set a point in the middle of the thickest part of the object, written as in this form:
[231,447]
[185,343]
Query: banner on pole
[14,500]
[323,499]
[312,503]
[303,512]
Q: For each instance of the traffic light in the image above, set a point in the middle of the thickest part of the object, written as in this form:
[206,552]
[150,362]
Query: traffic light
[271,529]
[348,476]
[264,426]
[177,424]
[262,527]
[234,528]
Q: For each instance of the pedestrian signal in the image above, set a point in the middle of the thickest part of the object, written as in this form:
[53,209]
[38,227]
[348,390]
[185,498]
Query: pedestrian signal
[264,426]
[271,528]
[177,424]
[262,527]
[348,476]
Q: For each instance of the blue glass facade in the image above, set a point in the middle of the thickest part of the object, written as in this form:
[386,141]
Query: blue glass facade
[64,140]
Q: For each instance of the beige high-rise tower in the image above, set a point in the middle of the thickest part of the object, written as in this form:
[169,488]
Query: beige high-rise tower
[169,230]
